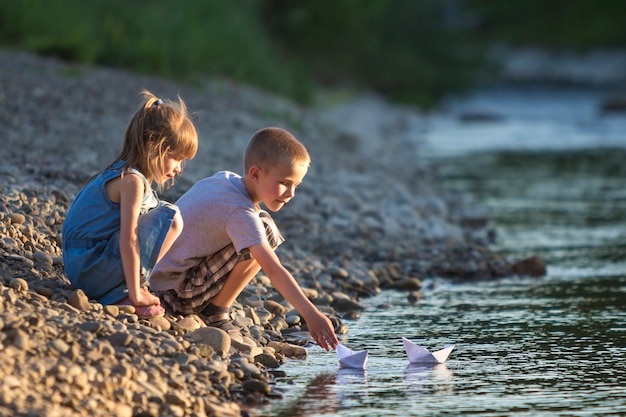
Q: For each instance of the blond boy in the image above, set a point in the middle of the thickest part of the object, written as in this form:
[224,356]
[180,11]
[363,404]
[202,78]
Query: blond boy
[227,238]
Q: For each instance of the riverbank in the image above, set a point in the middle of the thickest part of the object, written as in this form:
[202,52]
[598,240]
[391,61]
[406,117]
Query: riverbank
[368,216]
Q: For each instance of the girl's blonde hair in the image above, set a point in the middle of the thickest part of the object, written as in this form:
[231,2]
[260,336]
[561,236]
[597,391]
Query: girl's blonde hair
[158,129]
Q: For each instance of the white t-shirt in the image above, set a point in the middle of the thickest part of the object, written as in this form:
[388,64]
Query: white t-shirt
[216,211]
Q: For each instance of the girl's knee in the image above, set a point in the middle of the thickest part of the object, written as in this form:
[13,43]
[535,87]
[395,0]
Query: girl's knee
[177,221]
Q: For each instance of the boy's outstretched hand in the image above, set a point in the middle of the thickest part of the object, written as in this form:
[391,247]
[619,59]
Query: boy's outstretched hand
[321,330]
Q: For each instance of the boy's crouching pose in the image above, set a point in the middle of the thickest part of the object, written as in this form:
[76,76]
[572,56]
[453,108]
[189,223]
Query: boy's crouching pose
[227,238]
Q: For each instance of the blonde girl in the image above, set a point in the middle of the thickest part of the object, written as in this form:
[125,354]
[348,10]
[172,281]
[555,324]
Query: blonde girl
[116,229]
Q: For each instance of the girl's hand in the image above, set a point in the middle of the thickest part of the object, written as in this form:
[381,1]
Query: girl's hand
[145,298]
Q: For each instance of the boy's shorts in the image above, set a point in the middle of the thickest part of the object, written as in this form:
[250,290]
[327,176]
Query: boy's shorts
[204,281]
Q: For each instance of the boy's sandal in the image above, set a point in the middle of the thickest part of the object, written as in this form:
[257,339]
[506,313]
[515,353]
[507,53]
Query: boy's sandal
[222,321]
[143,312]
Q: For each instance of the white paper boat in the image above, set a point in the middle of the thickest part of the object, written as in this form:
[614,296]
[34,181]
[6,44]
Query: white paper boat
[351,359]
[418,354]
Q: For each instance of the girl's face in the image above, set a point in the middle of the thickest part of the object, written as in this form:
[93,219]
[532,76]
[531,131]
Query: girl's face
[276,186]
[172,166]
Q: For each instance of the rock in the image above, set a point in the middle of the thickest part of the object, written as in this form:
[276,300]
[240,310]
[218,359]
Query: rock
[345,304]
[59,346]
[112,310]
[310,293]
[614,104]
[351,315]
[414,297]
[407,284]
[91,326]
[19,284]
[342,329]
[250,369]
[289,350]
[254,385]
[267,360]
[216,338]
[43,258]
[79,300]
[161,323]
[45,291]
[17,218]
[120,339]
[251,314]
[244,347]
[533,266]
[273,307]
[190,323]
[126,309]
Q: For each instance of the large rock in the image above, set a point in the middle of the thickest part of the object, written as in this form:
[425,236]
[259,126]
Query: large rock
[218,339]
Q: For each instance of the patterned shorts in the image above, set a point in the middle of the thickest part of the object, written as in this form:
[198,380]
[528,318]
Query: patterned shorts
[204,281]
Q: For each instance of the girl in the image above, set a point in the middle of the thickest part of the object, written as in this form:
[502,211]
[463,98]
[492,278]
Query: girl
[117,229]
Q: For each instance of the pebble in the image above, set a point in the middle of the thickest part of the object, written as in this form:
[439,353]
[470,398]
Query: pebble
[79,300]
[216,338]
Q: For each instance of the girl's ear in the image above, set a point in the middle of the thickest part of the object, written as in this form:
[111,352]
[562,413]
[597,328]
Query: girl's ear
[150,147]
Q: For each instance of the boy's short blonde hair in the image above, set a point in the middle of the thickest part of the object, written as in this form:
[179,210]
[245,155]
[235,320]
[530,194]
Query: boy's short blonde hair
[274,146]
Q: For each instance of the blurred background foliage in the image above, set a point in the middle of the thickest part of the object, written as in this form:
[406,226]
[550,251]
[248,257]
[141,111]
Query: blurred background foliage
[412,51]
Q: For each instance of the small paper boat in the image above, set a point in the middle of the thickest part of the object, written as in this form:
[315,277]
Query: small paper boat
[418,354]
[351,359]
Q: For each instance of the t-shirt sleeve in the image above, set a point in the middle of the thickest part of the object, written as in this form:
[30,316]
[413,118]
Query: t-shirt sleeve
[245,229]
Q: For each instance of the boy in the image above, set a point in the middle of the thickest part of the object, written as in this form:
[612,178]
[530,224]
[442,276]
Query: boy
[227,239]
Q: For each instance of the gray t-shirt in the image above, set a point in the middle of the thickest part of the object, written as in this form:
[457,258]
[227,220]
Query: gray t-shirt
[216,211]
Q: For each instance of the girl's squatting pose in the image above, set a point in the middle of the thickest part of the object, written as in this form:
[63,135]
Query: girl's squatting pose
[116,229]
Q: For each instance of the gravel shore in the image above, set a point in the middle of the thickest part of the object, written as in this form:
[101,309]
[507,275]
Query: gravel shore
[368,217]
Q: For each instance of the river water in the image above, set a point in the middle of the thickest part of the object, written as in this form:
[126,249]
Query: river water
[550,171]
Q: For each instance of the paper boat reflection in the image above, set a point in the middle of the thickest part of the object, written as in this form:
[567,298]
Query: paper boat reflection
[351,359]
[418,354]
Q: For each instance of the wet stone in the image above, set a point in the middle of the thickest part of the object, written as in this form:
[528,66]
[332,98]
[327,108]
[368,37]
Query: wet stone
[267,360]
[254,385]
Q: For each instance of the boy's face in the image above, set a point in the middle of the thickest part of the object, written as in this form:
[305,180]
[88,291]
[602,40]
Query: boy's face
[277,186]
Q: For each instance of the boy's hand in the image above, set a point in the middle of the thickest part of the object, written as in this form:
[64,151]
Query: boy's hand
[321,330]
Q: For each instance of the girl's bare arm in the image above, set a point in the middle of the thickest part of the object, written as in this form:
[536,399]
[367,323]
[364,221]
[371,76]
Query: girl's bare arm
[131,195]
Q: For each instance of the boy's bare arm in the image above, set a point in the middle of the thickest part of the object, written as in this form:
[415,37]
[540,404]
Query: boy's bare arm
[320,327]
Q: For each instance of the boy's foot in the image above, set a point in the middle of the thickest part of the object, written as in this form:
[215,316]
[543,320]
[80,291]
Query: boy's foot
[143,312]
[221,318]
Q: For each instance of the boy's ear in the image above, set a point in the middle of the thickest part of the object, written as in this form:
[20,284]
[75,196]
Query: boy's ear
[254,172]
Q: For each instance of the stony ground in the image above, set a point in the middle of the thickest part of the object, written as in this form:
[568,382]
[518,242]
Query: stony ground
[367,217]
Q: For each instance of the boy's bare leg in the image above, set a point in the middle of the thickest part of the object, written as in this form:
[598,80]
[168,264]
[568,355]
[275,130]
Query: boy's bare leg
[237,280]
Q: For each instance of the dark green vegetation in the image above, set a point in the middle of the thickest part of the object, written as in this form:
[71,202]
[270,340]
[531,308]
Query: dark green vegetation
[412,51]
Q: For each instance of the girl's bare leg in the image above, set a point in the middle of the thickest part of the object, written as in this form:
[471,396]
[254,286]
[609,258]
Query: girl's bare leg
[175,231]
